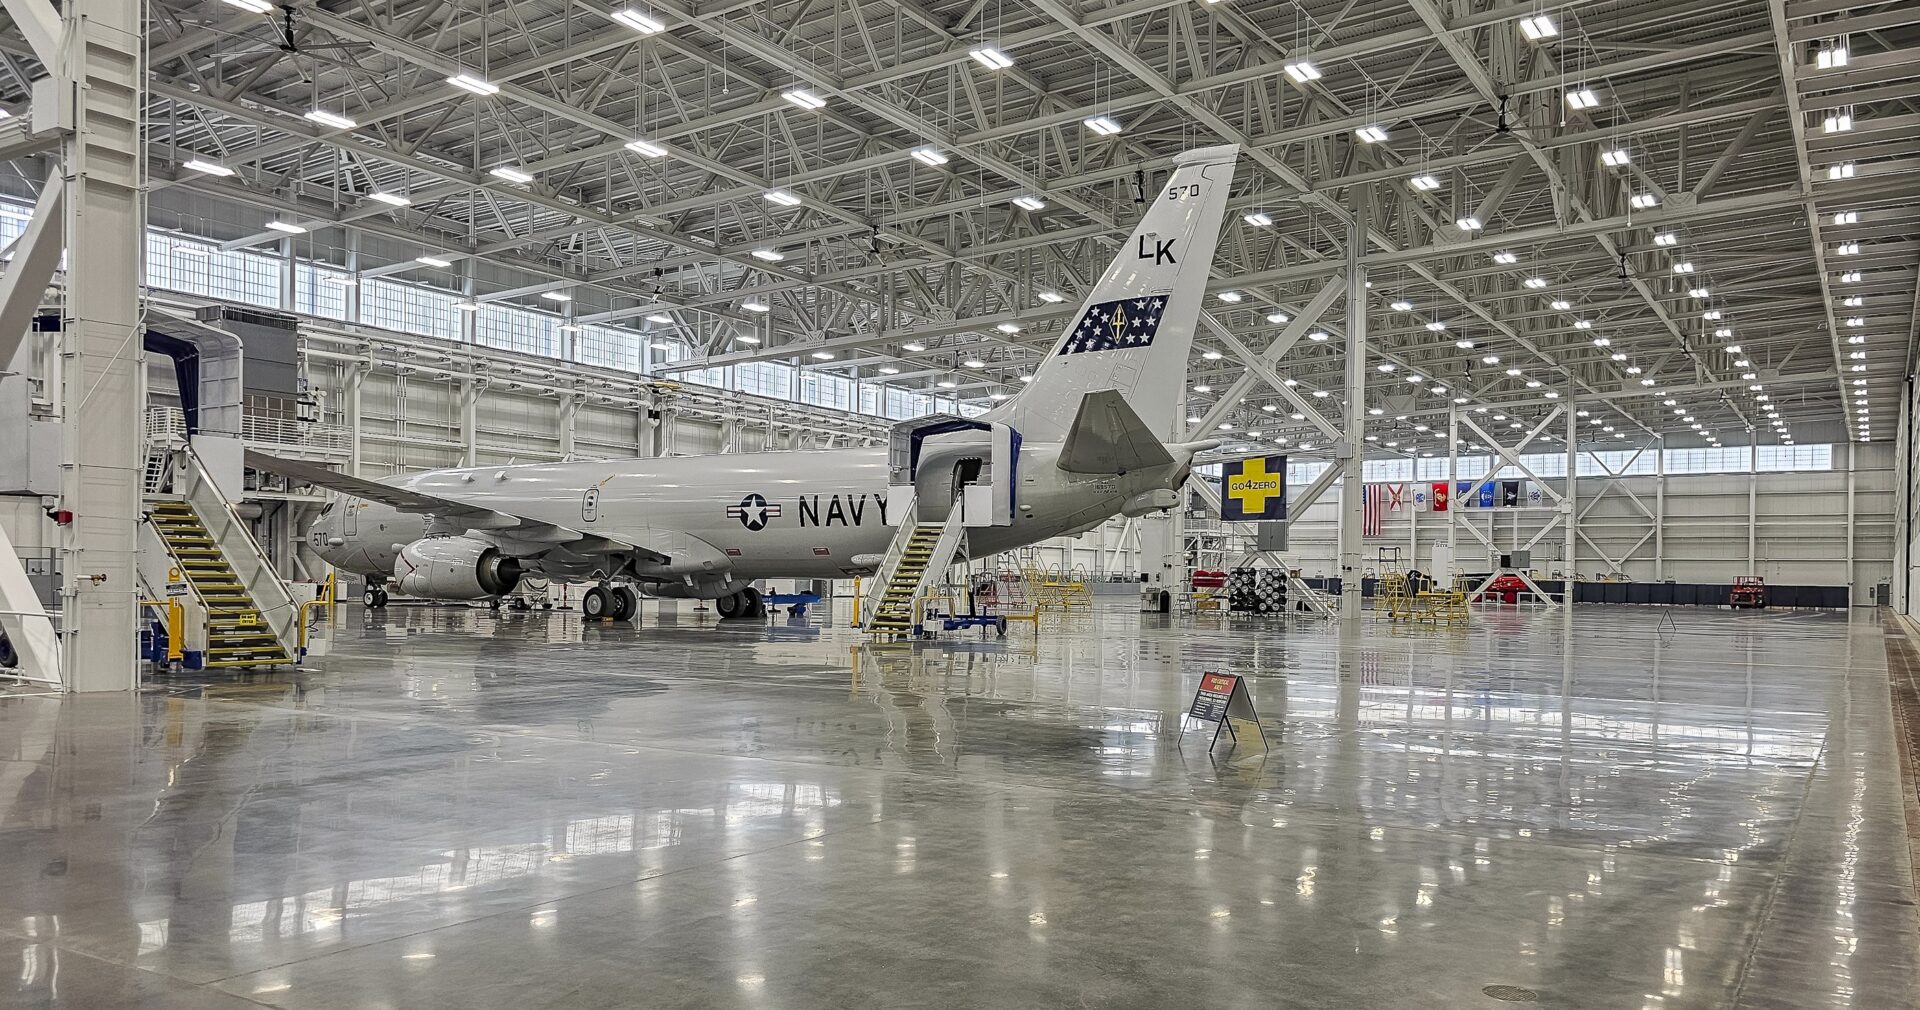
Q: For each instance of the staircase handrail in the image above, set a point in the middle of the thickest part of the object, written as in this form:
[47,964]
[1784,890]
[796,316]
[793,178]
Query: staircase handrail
[250,566]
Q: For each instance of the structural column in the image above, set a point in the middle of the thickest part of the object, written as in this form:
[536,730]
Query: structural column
[102,380]
[1570,506]
[1354,431]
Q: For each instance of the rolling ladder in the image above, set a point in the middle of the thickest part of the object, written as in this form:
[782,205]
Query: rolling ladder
[917,557]
[238,634]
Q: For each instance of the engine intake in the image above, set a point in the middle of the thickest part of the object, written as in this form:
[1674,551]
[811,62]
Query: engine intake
[455,568]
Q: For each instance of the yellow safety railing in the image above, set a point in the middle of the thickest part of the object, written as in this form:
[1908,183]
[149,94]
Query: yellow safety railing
[176,626]
[330,599]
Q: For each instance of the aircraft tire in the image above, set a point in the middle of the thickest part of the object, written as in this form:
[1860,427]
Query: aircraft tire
[756,605]
[626,603]
[731,606]
[372,598]
[596,604]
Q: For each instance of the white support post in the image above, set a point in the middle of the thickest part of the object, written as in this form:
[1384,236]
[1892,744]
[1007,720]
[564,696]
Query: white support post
[1753,503]
[103,372]
[356,372]
[1352,512]
[1453,474]
[1569,506]
[1660,509]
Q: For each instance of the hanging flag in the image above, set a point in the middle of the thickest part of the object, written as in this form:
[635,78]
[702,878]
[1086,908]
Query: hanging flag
[1372,504]
[1533,495]
[1396,497]
[1486,495]
[1440,496]
[1462,497]
[1510,493]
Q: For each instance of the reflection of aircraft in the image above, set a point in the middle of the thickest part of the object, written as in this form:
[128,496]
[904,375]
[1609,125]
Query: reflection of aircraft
[1081,443]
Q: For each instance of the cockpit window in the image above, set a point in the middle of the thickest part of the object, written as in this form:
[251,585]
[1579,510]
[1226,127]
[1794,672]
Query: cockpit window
[326,509]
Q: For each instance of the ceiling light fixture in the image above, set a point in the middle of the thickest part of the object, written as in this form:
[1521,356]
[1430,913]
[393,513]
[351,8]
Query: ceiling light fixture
[802,98]
[1102,125]
[929,156]
[206,167]
[390,199]
[1468,223]
[1301,71]
[781,197]
[991,58]
[1258,219]
[1615,158]
[661,318]
[1538,27]
[333,119]
[510,174]
[637,21]
[1582,98]
[1029,203]
[646,148]
[478,85]
[433,261]
[288,227]
[1371,134]
[1424,183]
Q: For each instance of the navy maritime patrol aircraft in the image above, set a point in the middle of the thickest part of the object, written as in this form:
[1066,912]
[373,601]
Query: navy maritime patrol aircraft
[1083,442]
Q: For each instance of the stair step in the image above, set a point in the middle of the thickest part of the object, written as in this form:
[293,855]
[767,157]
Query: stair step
[276,661]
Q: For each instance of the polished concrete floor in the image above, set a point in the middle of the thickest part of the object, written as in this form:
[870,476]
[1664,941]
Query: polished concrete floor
[456,809]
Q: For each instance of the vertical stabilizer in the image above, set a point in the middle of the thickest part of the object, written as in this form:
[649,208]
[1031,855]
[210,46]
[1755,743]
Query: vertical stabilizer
[1135,329]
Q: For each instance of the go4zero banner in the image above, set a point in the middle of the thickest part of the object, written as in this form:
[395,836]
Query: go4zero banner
[1253,489]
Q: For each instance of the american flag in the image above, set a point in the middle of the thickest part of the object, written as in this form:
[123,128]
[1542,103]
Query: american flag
[1373,499]
[1106,326]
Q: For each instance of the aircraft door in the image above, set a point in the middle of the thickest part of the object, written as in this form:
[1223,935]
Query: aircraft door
[350,516]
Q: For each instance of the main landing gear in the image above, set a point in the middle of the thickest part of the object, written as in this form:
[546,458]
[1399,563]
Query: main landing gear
[743,605]
[610,603]
[376,596]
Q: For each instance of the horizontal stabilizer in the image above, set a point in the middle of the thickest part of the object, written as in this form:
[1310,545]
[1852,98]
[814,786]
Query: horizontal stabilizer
[1108,437]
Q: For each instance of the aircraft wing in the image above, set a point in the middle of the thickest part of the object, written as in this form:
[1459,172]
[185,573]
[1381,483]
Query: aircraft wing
[1108,437]
[519,536]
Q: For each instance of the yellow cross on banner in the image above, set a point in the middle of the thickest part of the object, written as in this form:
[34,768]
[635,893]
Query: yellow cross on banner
[1253,485]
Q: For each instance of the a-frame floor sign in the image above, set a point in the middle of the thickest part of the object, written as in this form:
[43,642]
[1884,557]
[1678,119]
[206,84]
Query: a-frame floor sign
[1222,699]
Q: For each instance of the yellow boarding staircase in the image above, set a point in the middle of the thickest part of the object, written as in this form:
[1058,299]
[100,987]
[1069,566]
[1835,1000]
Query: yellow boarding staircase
[914,563]
[252,619]
[238,633]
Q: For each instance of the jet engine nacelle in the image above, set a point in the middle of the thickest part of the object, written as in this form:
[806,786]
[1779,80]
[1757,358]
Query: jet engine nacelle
[455,568]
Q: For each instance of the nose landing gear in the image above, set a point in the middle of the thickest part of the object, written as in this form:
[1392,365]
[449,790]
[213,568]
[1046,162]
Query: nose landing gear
[376,596]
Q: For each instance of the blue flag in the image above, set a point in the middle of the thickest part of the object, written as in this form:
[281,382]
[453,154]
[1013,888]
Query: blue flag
[1107,326]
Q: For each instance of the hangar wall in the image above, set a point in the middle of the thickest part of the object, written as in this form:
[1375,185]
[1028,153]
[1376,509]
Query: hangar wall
[1833,527]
